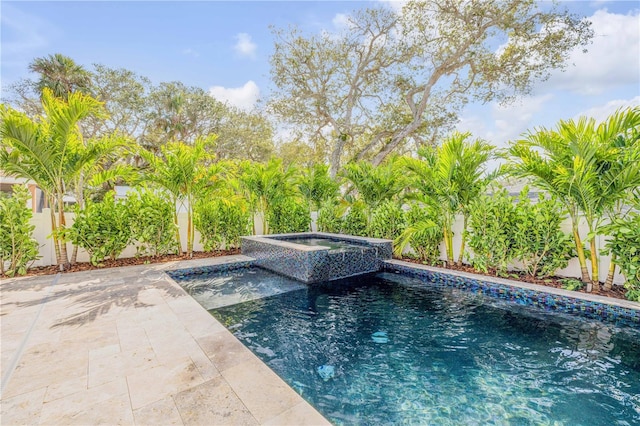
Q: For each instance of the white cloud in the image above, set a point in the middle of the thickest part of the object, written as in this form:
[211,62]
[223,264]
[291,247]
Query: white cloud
[244,46]
[601,112]
[244,97]
[340,20]
[396,5]
[612,59]
[505,123]
[191,52]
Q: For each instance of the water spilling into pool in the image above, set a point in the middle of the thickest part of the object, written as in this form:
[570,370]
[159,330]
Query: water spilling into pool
[384,348]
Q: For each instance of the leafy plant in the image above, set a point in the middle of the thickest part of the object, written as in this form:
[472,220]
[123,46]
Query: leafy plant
[264,185]
[330,217]
[374,184]
[572,284]
[387,221]
[49,151]
[538,241]
[423,233]
[624,247]
[491,227]
[182,172]
[17,246]
[221,222]
[152,226]
[316,186]
[450,177]
[288,215]
[590,167]
[102,229]
[355,222]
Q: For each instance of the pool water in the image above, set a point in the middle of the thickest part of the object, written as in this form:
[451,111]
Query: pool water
[325,242]
[388,349]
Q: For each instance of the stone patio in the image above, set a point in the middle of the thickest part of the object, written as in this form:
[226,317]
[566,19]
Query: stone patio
[129,346]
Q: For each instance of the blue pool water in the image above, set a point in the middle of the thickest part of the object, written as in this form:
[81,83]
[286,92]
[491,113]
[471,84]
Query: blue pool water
[388,349]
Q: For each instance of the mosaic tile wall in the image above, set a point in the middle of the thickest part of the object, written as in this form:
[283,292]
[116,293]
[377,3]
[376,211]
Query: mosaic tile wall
[547,301]
[311,265]
[181,274]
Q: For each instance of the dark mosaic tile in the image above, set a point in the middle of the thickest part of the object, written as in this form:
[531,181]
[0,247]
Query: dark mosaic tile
[311,266]
[547,301]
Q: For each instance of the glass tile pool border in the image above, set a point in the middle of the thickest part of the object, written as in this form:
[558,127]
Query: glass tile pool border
[615,311]
[514,292]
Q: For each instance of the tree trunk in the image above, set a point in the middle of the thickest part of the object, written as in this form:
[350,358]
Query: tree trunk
[595,269]
[608,284]
[462,244]
[54,234]
[448,242]
[189,234]
[64,257]
[175,221]
[581,257]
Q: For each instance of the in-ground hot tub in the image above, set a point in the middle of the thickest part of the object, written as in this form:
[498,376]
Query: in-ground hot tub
[317,256]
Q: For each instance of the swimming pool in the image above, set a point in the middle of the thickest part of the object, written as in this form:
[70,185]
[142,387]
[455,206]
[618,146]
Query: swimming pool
[386,348]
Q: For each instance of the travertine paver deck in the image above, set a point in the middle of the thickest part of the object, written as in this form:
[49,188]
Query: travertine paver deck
[129,346]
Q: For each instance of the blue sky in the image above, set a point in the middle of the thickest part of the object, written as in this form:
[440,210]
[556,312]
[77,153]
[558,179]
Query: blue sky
[224,47]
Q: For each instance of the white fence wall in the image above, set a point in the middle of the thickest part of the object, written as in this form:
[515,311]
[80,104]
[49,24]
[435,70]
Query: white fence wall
[42,223]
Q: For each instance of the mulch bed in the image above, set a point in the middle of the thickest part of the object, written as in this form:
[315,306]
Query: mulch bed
[617,291]
[129,261]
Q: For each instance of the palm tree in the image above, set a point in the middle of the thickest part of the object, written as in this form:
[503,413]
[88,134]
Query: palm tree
[453,175]
[182,172]
[46,150]
[316,186]
[620,176]
[264,185]
[99,161]
[61,75]
[589,167]
[374,184]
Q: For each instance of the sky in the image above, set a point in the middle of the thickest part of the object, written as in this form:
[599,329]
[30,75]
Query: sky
[224,47]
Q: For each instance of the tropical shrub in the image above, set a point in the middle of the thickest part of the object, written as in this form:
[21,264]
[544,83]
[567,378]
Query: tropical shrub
[152,226]
[491,227]
[538,241]
[221,222]
[265,185]
[624,247]
[387,221]
[453,175]
[590,167]
[102,229]
[423,233]
[330,217]
[17,246]
[355,222]
[288,215]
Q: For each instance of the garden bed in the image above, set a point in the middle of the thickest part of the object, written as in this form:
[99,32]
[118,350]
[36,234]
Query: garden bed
[129,261]
[617,291]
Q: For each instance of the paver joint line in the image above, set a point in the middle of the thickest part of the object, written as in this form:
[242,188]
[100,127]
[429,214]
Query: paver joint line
[18,353]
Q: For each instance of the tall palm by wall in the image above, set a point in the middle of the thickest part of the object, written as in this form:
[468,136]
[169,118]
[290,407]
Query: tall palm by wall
[265,184]
[373,184]
[316,186]
[590,167]
[452,174]
[184,172]
[48,150]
